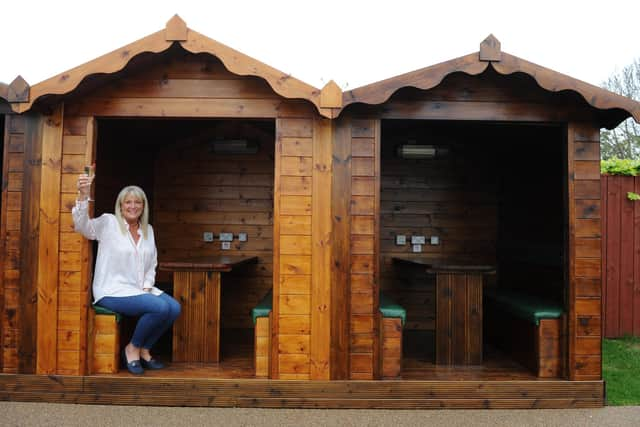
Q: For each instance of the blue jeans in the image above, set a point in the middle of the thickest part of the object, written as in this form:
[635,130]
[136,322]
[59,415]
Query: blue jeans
[157,314]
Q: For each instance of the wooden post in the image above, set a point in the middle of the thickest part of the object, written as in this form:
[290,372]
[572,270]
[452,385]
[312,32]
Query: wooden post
[48,255]
[86,253]
[27,315]
[320,345]
[340,252]
[584,267]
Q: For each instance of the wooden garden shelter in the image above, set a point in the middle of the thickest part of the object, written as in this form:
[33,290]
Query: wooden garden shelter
[322,192]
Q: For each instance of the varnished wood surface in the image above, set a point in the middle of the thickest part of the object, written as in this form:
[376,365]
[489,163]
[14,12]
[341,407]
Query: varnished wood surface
[621,244]
[450,267]
[222,263]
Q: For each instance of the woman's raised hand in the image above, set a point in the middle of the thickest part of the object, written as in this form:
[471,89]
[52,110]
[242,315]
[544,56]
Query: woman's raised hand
[84,184]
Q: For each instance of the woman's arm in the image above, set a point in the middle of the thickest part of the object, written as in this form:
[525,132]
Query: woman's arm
[150,273]
[89,228]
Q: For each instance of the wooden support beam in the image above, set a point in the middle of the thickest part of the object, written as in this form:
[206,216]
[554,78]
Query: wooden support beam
[48,254]
[29,241]
[340,252]
[320,351]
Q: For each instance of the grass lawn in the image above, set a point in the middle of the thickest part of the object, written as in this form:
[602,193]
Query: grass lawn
[621,370]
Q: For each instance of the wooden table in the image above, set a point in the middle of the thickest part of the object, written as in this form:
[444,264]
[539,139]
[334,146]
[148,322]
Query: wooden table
[458,309]
[196,285]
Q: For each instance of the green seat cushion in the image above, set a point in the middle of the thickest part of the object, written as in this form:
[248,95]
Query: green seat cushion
[524,306]
[106,311]
[263,308]
[390,308]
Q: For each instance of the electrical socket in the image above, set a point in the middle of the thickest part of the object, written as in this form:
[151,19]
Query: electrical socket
[207,236]
[418,240]
[226,237]
[243,237]
[416,248]
[435,240]
[225,246]
[401,239]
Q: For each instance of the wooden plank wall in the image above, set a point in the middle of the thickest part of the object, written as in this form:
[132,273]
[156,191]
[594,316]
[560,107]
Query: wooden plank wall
[179,84]
[452,196]
[74,277]
[585,291]
[10,222]
[364,286]
[293,248]
[620,254]
[184,85]
[196,190]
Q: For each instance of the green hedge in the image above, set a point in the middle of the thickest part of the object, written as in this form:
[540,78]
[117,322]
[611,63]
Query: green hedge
[620,167]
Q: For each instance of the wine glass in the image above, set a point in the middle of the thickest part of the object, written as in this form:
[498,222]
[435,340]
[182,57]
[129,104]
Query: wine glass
[90,171]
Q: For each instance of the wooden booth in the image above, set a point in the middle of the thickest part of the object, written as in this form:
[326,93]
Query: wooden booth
[430,240]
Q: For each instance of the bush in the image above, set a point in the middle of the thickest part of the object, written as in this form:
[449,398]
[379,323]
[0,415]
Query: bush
[620,167]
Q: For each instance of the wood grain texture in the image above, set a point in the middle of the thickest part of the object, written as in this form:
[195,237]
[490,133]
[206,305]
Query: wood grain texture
[196,332]
[459,319]
[48,256]
[583,264]
[429,77]
[620,243]
[202,391]
[28,248]
[340,253]
[320,346]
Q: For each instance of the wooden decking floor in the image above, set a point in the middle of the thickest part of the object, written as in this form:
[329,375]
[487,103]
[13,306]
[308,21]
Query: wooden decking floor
[237,362]
[498,383]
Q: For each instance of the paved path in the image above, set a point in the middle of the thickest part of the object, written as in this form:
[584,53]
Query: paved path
[48,414]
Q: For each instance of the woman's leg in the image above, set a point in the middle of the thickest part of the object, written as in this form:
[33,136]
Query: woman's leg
[153,311]
[174,312]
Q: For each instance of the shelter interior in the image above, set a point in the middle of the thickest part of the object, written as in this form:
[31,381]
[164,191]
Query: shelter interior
[193,187]
[479,197]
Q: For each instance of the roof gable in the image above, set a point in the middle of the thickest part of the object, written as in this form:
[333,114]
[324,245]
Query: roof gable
[505,64]
[330,101]
[176,31]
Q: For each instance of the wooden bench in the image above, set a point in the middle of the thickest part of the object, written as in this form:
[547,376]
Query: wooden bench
[103,353]
[261,315]
[528,328]
[392,320]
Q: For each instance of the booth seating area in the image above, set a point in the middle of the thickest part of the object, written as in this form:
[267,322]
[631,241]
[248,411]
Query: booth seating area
[392,319]
[103,341]
[261,315]
[528,328]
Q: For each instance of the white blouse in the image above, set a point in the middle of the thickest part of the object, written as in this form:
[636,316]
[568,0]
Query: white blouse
[123,268]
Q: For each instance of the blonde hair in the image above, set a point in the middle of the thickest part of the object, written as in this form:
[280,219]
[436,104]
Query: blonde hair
[144,218]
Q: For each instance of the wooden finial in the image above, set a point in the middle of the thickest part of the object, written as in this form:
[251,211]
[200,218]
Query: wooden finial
[490,49]
[176,30]
[18,90]
[331,96]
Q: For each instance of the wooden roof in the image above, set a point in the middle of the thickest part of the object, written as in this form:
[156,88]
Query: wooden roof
[176,31]
[490,54]
[330,100]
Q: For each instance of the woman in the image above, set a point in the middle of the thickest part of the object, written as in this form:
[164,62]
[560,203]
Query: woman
[125,270]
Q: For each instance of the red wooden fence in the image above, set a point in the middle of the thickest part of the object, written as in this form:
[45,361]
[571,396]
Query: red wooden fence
[621,256]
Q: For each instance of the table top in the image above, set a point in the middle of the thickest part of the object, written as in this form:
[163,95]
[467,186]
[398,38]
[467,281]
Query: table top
[223,263]
[447,266]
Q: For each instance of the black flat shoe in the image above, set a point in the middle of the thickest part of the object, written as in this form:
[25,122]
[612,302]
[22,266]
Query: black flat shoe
[151,364]
[134,366]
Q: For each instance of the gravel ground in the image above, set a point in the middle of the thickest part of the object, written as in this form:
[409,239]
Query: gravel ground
[49,414]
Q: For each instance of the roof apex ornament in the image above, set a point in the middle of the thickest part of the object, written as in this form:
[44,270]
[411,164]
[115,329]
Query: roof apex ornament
[490,49]
[176,29]
[18,90]
[331,96]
